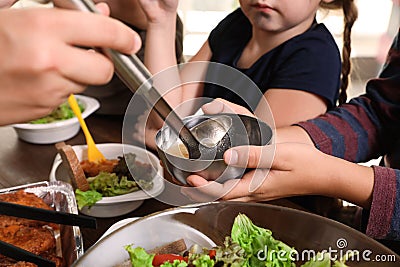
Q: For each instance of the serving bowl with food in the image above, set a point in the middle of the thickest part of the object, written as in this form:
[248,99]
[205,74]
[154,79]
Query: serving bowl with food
[242,130]
[61,244]
[58,126]
[254,228]
[116,186]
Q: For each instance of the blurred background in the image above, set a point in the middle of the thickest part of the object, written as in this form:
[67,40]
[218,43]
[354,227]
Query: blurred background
[373,32]
[377,24]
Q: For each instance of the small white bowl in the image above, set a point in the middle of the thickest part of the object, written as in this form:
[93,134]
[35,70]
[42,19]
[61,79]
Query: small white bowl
[117,205]
[50,133]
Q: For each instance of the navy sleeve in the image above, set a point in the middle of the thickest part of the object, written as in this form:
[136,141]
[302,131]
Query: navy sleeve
[312,63]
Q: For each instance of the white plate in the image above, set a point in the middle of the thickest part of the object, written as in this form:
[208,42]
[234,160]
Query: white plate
[117,205]
[50,133]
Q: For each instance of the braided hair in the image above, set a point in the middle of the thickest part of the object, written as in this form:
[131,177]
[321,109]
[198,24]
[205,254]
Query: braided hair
[350,13]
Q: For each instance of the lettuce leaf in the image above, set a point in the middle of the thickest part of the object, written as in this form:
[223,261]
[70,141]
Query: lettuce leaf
[320,260]
[109,184]
[62,112]
[261,248]
[139,256]
[87,198]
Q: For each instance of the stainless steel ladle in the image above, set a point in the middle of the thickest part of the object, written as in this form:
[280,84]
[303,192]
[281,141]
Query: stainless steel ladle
[133,73]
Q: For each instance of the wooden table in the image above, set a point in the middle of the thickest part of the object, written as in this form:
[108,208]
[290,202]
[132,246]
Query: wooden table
[24,163]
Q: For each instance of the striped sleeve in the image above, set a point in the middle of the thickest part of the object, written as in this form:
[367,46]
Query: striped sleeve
[364,129]
[349,132]
[384,218]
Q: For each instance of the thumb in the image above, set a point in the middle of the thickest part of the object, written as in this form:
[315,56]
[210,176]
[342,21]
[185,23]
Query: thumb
[103,8]
[250,156]
[220,105]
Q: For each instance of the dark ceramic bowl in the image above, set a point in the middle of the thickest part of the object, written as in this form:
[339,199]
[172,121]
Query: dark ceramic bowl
[208,224]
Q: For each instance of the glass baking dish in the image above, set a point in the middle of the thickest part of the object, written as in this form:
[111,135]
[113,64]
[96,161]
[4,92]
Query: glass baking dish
[60,196]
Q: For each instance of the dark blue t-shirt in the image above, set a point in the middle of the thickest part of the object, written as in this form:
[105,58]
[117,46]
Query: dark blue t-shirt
[310,62]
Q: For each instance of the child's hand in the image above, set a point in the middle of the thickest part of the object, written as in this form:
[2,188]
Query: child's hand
[159,10]
[220,105]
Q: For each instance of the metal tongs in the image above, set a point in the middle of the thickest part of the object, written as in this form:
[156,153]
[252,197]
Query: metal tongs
[133,73]
[27,212]
[20,254]
[32,213]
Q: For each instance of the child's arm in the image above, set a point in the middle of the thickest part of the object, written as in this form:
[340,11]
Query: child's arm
[160,53]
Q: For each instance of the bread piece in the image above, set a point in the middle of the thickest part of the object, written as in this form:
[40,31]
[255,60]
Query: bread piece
[175,247]
[71,162]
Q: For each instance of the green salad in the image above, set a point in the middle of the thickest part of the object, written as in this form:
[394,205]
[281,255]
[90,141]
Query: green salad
[246,246]
[121,180]
[62,112]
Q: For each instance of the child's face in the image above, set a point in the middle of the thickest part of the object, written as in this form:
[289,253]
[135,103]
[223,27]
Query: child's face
[279,15]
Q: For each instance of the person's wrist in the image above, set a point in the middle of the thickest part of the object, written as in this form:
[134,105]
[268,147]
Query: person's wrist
[350,181]
[169,18]
[293,134]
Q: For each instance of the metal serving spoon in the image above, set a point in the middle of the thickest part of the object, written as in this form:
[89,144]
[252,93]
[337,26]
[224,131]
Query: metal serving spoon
[133,73]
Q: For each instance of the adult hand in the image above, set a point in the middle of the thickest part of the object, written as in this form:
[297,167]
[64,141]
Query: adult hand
[289,170]
[7,3]
[43,59]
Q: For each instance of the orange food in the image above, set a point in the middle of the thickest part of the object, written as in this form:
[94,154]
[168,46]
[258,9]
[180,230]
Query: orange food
[34,236]
[92,169]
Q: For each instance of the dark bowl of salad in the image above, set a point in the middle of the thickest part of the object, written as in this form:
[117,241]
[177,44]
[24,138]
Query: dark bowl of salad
[236,234]
[60,125]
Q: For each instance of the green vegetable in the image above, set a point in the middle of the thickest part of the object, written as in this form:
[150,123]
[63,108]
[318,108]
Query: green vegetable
[203,261]
[324,260]
[62,112]
[105,184]
[262,249]
[176,263]
[108,184]
[87,198]
[118,182]
[231,254]
[320,260]
[137,171]
[249,245]
[139,257]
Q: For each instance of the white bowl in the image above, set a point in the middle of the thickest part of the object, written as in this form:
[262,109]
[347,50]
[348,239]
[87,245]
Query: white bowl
[148,232]
[117,205]
[50,133]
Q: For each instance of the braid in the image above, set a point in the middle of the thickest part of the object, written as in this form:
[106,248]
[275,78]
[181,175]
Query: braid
[350,16]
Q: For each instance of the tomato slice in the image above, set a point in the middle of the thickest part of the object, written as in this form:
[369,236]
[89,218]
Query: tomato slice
[212,253]
[159,259]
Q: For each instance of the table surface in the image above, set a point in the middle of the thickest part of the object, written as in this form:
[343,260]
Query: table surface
[23,163]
